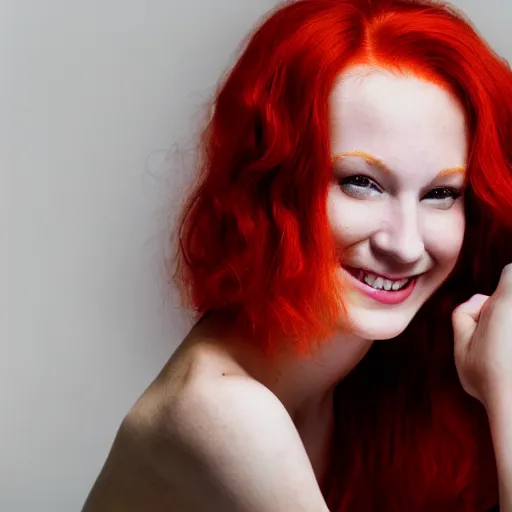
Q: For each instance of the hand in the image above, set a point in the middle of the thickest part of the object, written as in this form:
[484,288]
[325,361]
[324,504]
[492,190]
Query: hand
[483,342]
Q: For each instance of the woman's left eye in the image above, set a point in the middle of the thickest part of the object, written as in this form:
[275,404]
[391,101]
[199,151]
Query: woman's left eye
[443,193]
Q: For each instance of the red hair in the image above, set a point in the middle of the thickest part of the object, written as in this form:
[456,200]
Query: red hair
[255,243]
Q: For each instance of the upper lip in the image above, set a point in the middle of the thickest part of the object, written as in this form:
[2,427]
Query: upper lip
[384,276]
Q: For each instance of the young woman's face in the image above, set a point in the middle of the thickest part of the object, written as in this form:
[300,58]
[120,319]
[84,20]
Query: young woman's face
[395,205]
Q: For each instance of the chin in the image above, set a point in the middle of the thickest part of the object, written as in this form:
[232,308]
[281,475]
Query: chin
[373,321]
[375,324]
[384,316]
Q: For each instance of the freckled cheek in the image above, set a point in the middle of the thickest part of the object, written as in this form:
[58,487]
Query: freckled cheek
[443,236]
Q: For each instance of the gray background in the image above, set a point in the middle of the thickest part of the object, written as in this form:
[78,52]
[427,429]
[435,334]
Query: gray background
[100,103]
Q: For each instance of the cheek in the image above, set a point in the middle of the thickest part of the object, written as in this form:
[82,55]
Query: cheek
[350,220]
[444,236]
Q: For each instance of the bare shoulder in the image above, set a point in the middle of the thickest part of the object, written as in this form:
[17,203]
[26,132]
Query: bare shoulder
[140,471]
[200,386]
[206,436]
[234,447]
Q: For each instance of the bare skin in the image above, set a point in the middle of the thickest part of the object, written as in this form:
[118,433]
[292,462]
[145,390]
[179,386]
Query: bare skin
[483,355]
[184,445]
[222,428]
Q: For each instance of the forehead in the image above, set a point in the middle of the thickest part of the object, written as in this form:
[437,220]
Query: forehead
[409,123]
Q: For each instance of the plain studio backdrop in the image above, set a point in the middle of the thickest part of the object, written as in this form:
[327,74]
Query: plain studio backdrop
[101,102]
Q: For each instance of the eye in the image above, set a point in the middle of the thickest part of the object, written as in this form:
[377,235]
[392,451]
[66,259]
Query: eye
[444,197]
[359,186]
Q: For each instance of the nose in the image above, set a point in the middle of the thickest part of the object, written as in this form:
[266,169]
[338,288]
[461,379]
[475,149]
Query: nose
[399,236]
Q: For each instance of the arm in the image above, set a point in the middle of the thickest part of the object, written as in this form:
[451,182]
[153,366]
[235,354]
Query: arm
[500,419]
[236,449]
[483,356]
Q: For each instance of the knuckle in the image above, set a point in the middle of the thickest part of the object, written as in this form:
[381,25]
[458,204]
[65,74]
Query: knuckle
[505,284]
[506,274]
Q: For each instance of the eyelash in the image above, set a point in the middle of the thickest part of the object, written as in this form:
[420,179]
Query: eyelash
[364,182]
[360,182]
[454,194]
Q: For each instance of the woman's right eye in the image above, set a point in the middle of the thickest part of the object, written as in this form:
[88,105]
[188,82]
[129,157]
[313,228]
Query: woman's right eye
[359,186]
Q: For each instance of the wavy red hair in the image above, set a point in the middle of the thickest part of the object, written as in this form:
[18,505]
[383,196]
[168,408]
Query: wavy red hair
[255,244]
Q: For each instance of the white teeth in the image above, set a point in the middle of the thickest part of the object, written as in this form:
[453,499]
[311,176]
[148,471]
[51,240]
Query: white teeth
[369,279]
[379,283]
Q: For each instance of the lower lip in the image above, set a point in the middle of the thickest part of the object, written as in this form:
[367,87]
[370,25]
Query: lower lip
[383,296]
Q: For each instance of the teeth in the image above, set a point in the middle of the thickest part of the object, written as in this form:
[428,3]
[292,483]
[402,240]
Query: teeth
[369,279]
[380,283]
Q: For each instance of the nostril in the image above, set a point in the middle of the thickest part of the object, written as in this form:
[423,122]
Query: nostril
[399,248]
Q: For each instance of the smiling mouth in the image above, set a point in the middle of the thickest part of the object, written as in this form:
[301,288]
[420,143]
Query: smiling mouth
[380,283]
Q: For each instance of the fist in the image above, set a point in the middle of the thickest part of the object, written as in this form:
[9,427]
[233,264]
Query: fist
[483,342]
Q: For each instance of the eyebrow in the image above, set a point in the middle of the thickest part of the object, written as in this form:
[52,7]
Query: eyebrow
[376,162]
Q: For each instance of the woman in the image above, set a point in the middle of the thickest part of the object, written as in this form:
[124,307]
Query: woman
[356,186]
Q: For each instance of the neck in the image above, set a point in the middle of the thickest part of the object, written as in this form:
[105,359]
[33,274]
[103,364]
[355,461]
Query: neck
[303,383]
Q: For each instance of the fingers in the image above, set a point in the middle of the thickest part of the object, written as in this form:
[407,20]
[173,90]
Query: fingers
[472,307]
[505,283]
[465,318]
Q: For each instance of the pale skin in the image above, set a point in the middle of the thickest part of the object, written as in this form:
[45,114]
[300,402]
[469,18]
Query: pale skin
[222,428]
[483,355]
